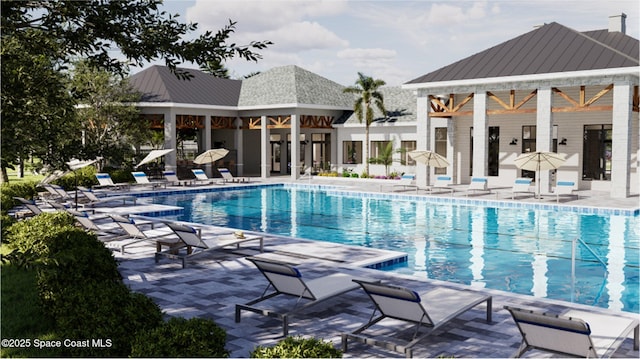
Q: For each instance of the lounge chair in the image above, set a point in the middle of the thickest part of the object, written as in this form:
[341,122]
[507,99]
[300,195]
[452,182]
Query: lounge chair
[431,309]
[228,177]
[578,333]
[564,188]
[106,231]
[173,179]
[478,184]
[142,180]
[56,193]
[32,209]
[442,184]
[521,185]
[201,176]
[105,181]
[191,239]
[95,200]
[406,181]
[287,280]
[135,234]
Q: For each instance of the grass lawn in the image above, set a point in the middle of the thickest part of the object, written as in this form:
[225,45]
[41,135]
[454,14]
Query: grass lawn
[28,176]
[21,316]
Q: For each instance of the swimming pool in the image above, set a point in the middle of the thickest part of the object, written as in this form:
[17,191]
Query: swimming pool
[517,250]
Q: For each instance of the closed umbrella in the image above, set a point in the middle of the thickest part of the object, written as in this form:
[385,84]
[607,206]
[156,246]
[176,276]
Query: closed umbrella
[153,155]
[539,161]
[211,156]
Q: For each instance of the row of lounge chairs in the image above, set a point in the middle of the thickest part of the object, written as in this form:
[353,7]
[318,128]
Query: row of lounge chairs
[577,333]
[481,184]
[170,178]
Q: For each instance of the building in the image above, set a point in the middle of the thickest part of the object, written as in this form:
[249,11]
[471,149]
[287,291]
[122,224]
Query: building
[551,89]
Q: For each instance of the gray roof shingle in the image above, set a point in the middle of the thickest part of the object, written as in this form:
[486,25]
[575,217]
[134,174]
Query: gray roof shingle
[401,106]
[551,48]
[159,84]
[292,85]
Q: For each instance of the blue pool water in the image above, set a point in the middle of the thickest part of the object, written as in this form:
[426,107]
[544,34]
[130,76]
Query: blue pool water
[516,250]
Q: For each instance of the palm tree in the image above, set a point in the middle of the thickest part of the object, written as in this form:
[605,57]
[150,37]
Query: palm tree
[367,90]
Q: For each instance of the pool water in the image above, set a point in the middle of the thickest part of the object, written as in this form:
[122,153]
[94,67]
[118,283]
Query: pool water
[516,250]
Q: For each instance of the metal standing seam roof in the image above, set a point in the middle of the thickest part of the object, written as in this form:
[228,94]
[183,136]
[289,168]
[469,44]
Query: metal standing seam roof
[292,85]
[551,48]
[159,84]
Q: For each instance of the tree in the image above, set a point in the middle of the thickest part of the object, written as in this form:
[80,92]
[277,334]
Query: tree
[110,123]
[41,38]
[216,68]
[385,157]
[367,90]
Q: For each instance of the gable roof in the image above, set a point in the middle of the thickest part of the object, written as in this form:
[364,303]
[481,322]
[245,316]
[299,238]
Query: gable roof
[159,84]
[291,84]
[551,48]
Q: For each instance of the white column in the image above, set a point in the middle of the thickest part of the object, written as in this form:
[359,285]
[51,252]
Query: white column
[423,133]
[207,144]
[621,140]
[480,137]
[265,154]
[451,154]
[170,141]
[544,133]
[295,147]
[239,141]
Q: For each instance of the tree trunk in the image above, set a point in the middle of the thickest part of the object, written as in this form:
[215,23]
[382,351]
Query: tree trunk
[366,148]
[4,178]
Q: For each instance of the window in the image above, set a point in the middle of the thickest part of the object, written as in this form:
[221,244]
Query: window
[352,152]
[377,148]
[441,147]
[493,157]
[596,161]
[528,145]
[405,147]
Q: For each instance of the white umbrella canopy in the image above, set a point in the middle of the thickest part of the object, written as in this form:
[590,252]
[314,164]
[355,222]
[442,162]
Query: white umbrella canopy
[153,155]
[429,158]
[75,164]
[539,161]
[211,156]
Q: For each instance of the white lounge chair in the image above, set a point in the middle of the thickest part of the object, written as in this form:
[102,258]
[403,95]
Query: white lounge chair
[135,234]
[564,188]
[406,181]
[94,200]
[287,280]
[201,176]
[142,179]
[191,239]
[577,333]
[228,177]
[105,181]
[441,184]
[521,185]
[431,309]
[478,184]
[172,178]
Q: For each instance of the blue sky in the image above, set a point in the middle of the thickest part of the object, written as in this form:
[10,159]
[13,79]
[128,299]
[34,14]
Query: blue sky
[395,41]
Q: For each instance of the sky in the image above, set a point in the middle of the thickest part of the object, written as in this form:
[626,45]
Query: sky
[391,40]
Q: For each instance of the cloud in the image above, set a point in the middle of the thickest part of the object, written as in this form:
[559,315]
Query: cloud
[302,36]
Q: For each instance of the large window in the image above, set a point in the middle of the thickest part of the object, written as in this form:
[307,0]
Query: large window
[493,158]
[406,147]
[528,145]
[351,152]
[596,161]
[377,148]
[441,147]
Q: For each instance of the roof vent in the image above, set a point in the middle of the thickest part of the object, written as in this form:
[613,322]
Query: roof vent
[617,23]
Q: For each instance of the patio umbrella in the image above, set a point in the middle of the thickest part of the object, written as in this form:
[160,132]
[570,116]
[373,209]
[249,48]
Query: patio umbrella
[153,155]
[539,161]
[76,164]
[211,156]
[429,158]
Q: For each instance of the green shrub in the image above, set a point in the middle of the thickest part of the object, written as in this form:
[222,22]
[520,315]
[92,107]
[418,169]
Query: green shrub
[179,337]
[298,347]
[354,175]
[120,175]
[85,177]
[32,235]
[6,222]
[26,189]
[107,311]
[75,258]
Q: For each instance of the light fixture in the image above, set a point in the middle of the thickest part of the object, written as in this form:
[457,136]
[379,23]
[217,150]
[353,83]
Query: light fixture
[563,142]
[513,142]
